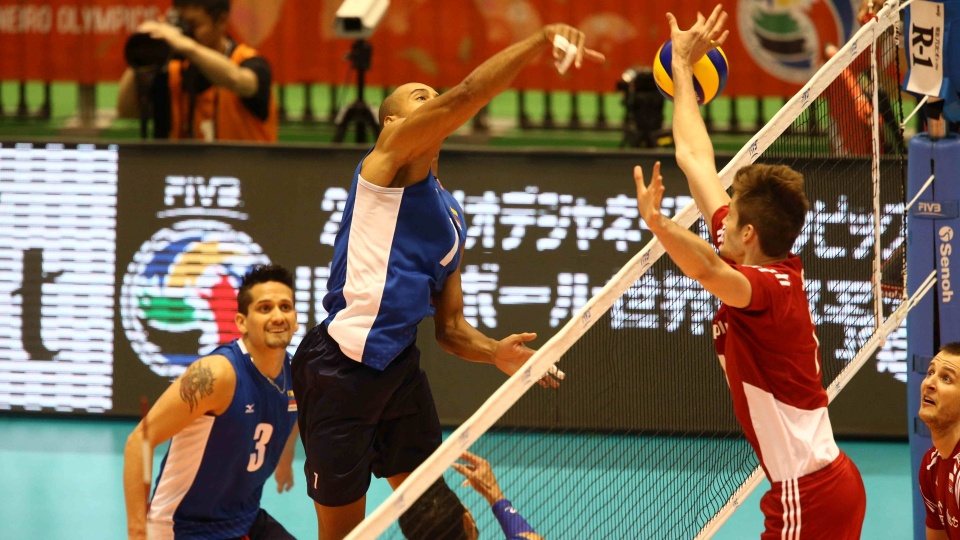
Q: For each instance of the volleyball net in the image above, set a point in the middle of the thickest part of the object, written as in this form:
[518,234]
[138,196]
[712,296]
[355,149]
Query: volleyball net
[650,448]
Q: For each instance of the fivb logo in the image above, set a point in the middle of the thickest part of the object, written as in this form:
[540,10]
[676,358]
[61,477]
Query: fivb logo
[946,249]
[929,208]
[936,210]
[179,294]
[178,300]
[216,196]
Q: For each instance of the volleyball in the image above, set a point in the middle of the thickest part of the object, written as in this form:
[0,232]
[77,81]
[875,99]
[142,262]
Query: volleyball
[709,73]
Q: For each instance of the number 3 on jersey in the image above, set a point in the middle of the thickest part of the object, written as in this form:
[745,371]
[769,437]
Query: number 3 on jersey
[262,436]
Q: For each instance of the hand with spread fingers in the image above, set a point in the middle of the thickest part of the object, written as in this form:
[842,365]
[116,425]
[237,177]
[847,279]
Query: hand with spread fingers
[649,197]
[479,475]
[707,33]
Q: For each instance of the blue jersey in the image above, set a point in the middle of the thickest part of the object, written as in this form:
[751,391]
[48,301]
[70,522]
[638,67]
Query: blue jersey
[394,250]
[211,479]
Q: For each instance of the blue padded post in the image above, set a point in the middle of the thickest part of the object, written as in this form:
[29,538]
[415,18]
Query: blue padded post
[933,242]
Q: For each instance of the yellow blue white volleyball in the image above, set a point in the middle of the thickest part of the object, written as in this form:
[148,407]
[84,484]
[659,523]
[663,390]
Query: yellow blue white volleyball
[709,73]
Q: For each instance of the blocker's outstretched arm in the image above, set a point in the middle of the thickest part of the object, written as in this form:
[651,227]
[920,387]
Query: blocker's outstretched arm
[694,148]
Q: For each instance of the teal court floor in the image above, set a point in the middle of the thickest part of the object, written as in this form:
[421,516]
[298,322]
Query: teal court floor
[61,478]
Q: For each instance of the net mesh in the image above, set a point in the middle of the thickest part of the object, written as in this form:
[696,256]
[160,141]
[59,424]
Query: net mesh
[650,448]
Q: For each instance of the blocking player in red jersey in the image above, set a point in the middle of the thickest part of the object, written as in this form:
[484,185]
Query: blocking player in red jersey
[940,468]
[763,332]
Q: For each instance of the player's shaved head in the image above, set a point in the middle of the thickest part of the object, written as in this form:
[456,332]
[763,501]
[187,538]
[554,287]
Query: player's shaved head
[389,106]
[397,103]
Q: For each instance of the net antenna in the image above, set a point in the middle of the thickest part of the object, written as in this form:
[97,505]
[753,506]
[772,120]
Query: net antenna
[357,20]
[798,108]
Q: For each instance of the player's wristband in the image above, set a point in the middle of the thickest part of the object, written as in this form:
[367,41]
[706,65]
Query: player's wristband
[510,520]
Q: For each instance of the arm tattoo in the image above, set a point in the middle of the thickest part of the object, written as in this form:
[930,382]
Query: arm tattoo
[196,383]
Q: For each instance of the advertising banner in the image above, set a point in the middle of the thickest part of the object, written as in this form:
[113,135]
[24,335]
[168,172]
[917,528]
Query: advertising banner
[773,49]
[118,266]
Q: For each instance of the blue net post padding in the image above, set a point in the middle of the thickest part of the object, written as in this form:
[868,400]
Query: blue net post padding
[933,242]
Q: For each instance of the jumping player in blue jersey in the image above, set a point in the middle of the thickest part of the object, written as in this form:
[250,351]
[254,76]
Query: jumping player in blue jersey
[232,418]
[365,404]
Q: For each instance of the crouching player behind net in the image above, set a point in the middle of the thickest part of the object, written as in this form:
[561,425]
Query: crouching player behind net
[764,333]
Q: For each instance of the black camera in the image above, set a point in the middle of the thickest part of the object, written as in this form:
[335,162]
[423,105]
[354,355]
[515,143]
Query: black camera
[144,52]
[643,104]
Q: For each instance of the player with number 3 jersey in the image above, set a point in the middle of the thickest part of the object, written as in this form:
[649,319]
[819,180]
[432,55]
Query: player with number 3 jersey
[231,419]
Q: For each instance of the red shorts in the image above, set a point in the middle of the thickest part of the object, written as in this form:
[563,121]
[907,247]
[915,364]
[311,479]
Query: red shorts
[828,504]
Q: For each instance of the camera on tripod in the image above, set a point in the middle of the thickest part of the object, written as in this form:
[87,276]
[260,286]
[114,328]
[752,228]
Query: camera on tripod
[358,19]
[145,52]
[643,106]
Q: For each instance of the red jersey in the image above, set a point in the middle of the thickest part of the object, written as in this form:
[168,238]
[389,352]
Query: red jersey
[941,492]
[771,356]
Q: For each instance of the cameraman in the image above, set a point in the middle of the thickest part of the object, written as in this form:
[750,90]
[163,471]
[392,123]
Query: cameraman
[211,88]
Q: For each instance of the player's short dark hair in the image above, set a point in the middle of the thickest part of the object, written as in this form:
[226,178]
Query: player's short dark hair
[771,198]
[261,273]
[214,8]
[952,348]
[436,515]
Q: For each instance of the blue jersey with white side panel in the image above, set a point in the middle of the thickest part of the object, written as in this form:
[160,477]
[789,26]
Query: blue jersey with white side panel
[212,476]
[393,252]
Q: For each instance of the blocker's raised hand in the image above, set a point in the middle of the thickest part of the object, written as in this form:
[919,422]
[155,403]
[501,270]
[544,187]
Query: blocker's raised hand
[692,44]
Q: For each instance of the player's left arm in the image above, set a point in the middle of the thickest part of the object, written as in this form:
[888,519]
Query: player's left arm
[695,257]
[457,336]
[284,472]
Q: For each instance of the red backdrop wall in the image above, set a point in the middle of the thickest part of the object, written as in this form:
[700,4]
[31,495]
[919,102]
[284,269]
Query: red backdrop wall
[772,48]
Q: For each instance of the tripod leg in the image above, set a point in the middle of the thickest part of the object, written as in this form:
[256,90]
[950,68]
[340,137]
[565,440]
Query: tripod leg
[341,126]
[345,118]
[357,114]
[364,121]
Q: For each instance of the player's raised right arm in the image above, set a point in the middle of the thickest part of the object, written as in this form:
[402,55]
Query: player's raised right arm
[207,386]
[429,125]
[694,149]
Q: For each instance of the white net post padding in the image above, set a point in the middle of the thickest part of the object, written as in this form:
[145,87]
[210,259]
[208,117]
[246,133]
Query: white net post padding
[514,388]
